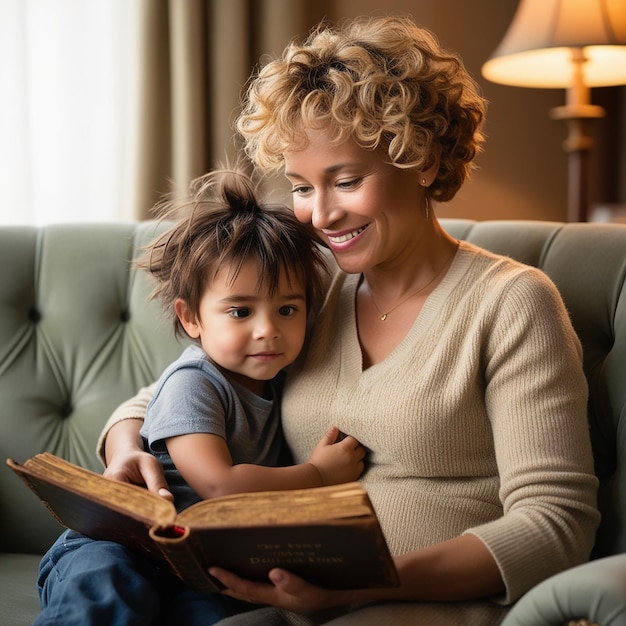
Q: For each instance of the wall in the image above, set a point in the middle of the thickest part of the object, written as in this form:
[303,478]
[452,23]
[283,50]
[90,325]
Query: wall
[523,172]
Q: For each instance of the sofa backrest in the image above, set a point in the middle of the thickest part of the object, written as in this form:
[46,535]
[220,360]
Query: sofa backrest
[78,335]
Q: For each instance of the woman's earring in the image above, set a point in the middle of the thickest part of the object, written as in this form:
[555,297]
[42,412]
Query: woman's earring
[426,198]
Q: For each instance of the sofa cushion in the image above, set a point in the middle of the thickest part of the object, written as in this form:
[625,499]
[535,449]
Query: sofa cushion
[19,604]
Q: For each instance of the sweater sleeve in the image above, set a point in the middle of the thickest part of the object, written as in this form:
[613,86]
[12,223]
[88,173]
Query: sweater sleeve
[536,399]
[135,408]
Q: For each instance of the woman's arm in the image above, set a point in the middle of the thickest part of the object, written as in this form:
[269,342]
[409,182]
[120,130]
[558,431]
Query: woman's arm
[459,569]
[134,408]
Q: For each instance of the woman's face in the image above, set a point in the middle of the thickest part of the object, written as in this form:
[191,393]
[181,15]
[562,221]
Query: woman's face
[367,211]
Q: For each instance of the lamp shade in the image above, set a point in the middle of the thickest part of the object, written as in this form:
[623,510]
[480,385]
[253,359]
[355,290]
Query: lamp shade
[536,50]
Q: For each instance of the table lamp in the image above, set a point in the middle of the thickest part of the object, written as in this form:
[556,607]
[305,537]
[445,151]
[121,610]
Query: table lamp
[570,44]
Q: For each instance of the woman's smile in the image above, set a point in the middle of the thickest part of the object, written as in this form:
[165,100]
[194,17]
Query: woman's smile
[337,240]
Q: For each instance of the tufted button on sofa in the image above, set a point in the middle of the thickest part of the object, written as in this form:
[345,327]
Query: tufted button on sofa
[78,335]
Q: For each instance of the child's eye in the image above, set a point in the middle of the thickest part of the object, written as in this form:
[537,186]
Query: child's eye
[240,312]
[287,310]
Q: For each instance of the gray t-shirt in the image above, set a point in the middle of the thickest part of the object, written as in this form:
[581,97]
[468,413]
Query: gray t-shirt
[193,396]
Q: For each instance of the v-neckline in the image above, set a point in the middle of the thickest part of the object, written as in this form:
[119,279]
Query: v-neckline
[352,363]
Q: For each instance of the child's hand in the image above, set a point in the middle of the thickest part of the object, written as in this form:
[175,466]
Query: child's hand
[338,458]
[139,468]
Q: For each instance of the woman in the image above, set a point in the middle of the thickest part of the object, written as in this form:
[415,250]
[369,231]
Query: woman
[458,369]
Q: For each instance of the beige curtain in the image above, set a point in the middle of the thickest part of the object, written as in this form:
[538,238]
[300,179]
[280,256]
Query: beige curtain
[195,57]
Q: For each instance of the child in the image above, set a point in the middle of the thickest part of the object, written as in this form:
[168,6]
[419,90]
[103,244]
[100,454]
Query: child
[239,278]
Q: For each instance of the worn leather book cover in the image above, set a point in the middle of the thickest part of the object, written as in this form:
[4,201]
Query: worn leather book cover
[329,536]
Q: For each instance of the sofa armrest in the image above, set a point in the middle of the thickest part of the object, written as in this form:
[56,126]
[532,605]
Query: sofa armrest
[594,591]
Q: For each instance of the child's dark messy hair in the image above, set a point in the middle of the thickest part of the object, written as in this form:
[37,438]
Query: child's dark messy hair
[222,225]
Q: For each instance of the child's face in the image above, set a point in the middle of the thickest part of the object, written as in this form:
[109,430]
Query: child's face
[247,332]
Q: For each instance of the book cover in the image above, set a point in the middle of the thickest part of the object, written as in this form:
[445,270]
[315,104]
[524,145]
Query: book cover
[329,536]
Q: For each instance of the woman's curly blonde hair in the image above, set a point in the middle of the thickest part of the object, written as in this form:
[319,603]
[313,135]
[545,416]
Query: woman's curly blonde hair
[384,82]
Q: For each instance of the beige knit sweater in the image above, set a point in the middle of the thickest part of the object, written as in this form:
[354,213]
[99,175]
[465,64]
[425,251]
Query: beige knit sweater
[475,423]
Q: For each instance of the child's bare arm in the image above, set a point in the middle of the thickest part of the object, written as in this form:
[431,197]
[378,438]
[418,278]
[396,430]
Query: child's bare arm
[205,463]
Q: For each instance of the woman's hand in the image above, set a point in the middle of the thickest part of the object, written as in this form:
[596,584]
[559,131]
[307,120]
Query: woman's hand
[285,591]
[458,569]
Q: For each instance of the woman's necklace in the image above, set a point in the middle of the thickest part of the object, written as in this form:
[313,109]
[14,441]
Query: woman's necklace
[383,316]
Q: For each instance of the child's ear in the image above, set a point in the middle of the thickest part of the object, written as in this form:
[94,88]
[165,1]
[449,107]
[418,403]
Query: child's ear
[187,318]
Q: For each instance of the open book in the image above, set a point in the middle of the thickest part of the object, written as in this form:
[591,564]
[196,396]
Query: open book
[329,536]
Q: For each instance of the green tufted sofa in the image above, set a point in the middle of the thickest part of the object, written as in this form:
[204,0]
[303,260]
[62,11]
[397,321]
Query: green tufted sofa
[78,336]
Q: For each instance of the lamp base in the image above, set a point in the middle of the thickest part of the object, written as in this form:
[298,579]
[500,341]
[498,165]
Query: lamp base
[577,145]
[578,118]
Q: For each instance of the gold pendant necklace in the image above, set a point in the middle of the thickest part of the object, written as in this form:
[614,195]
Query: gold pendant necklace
[383,316]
